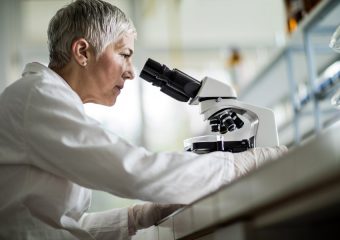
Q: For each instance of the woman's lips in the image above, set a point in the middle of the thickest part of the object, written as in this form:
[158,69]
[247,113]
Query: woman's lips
[118,88]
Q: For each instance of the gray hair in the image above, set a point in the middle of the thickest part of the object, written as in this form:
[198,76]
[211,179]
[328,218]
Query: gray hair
[99,22]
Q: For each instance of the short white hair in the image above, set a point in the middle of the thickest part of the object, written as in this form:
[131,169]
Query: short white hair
[99,22]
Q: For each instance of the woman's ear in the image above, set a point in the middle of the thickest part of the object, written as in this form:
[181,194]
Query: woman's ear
[81,51]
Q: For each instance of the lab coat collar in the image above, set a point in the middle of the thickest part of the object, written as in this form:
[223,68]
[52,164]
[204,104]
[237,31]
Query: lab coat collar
[38,68]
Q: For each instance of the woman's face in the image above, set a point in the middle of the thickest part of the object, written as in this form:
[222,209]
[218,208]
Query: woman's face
[108,72]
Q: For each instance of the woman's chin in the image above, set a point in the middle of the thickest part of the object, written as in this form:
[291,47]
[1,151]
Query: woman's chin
[112,101]
[106,102]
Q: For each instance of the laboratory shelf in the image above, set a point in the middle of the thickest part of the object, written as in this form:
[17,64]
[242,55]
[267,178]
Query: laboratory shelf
[329,114]
[298,66]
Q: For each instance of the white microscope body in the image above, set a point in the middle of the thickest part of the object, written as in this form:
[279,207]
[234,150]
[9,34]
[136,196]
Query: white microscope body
[222,97]
[235,126]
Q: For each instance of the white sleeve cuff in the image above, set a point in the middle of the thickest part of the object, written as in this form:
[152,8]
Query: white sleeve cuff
[111,224]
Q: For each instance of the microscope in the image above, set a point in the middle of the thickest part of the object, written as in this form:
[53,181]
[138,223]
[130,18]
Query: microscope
[234,126]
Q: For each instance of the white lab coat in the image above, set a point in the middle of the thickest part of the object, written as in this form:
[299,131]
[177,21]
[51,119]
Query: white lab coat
[52,153]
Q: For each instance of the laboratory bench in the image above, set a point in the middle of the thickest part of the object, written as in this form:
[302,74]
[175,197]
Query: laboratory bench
[294,197]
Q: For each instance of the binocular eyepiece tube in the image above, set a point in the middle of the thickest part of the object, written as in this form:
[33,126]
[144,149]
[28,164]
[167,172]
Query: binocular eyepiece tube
[174,83]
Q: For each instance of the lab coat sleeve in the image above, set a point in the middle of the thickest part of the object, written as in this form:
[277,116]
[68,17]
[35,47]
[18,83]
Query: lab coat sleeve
[107,225]
[61,139]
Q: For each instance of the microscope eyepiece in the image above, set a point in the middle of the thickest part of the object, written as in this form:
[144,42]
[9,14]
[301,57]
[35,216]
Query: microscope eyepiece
[174,83]
[156,66]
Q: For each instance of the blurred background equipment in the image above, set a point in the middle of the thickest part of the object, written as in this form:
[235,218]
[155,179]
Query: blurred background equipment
[335,45]
[335,40]
[296,10]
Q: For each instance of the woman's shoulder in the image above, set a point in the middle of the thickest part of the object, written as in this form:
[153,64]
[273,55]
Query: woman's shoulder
[45,83]
[34,76]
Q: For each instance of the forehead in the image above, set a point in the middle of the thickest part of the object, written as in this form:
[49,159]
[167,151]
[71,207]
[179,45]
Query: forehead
[125,41]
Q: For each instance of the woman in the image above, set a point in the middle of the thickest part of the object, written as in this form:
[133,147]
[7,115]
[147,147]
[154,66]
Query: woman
[52,153]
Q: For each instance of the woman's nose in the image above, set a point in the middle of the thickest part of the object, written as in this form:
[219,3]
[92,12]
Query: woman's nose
[129,73]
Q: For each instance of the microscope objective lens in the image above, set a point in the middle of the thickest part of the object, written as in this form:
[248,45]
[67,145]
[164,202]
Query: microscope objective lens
[223,129]
[239,123]
[215,128]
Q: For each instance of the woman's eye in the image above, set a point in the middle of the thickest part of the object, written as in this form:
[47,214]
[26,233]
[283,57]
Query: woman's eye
[125,55]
